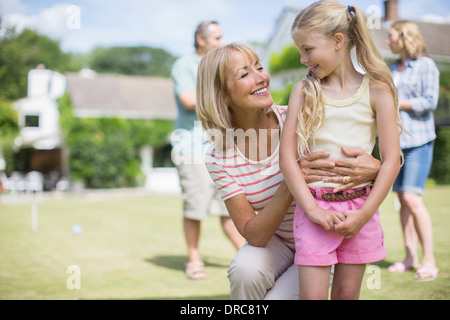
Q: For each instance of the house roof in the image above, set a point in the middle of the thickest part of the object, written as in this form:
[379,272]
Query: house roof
[435,36]
[133,97]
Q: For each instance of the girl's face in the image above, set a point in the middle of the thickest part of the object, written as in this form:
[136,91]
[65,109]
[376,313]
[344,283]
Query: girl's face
[317,52]
[247,83]
[395,41]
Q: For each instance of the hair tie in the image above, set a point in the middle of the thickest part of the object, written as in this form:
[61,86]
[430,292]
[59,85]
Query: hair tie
[349,8]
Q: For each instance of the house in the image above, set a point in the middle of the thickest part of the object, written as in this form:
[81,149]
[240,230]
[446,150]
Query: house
[38,120]
[38,112]
[128,97]
[435,35]
[92,96]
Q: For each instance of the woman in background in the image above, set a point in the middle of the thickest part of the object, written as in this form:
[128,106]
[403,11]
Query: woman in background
[417,80]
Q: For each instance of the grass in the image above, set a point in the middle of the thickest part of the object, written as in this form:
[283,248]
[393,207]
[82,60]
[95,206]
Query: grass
[132,247]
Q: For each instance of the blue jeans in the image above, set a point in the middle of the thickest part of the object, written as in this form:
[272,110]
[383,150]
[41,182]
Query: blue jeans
[415,170]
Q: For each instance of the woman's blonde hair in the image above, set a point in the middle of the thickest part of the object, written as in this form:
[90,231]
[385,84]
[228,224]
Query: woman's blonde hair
[212,108]
[329,17]
[412,38]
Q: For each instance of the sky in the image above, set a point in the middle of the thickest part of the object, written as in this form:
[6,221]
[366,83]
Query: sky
[81,25]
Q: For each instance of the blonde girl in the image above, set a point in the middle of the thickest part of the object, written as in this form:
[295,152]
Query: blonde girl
[336,106]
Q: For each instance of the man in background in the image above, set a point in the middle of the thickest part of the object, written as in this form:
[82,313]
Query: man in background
[199,194]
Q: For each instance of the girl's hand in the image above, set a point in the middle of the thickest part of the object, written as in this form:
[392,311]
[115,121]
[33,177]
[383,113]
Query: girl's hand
[326,218]
[350,226]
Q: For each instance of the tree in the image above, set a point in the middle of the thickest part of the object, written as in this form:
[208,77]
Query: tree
[9,130]
[287,59]
[104,152]
[21,52]
[141,61]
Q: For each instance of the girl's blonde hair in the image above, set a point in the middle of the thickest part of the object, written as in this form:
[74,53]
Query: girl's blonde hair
[329,17]
[412,38]
[212,108]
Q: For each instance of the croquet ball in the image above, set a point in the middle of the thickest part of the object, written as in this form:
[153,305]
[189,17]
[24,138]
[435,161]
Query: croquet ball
[77,229]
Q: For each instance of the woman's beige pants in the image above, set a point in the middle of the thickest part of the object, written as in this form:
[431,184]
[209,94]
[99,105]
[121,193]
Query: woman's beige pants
[269,273]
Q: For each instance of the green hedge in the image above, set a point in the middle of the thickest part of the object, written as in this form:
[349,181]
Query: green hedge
[104,152]
[440,170]
[9,130]
[444,79]
[287,59]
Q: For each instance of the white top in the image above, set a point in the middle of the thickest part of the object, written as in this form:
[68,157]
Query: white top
[350,122]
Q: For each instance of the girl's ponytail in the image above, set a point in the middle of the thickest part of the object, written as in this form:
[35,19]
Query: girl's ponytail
[367,53]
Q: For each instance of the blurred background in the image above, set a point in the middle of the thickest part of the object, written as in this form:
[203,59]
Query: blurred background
[86,112]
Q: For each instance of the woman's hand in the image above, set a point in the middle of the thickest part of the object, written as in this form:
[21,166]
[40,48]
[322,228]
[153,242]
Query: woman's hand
[315,166]
[360,167]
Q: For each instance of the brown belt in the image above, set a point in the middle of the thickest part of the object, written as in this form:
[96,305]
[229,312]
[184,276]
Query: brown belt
[339,196]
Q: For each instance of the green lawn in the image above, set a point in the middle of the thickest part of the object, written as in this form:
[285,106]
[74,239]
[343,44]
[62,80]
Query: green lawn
[132,247]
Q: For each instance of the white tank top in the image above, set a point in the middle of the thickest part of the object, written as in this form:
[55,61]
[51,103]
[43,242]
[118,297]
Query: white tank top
[350,122]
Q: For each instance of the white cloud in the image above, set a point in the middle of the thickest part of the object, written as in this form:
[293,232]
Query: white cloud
[173,23]
[170,24]
[49,21]
[11,6]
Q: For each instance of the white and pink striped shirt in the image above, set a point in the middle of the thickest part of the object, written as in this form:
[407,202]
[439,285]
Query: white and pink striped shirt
[234,174]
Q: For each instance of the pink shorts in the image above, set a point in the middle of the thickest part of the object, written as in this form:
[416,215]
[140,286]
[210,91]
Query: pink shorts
[318,247]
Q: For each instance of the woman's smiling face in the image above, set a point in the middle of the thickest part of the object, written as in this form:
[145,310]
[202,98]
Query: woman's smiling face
[247,83]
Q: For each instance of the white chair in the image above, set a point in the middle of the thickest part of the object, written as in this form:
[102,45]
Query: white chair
[5,183]
[63,184]
[34,182]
